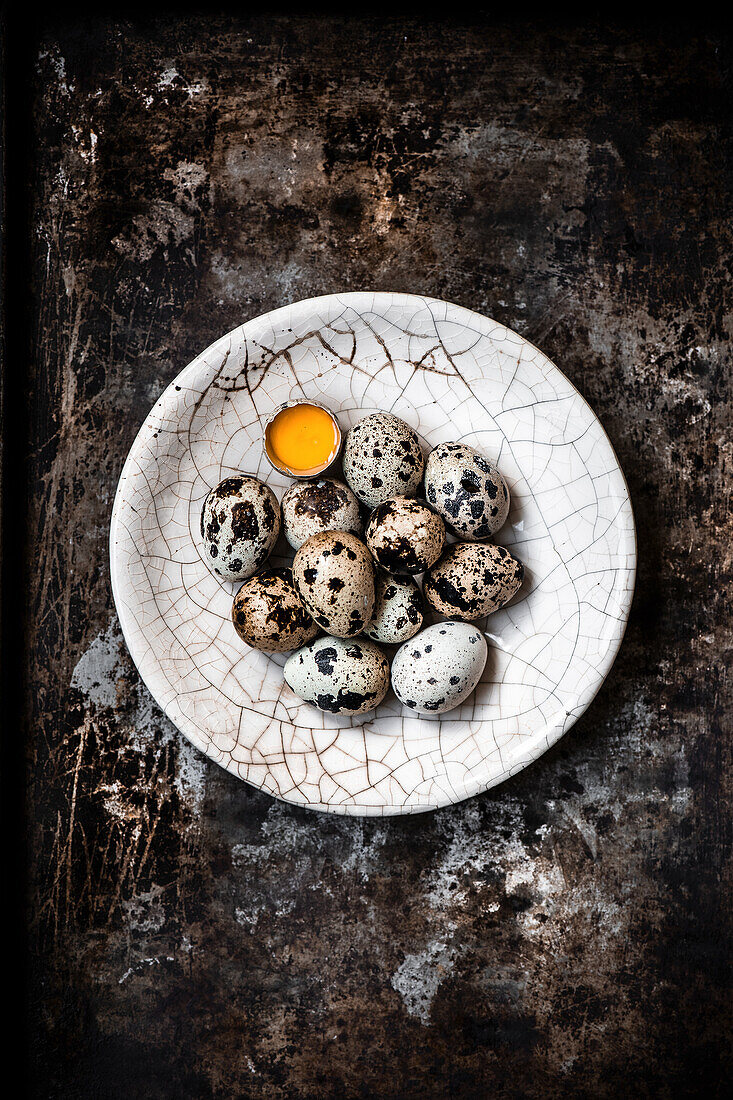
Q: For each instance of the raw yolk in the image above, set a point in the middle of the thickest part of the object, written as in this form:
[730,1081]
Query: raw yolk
[302,438]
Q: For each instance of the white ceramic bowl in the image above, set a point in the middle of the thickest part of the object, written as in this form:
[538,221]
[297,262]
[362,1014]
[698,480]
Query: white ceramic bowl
[452,375]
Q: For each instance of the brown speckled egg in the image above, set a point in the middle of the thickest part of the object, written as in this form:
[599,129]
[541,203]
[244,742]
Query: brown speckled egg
[323,505]
[398,610]
[268,613]
[472,579]
[405,536]
[467,490]
[334,575]
[342,676]
[240,522]
[382,459]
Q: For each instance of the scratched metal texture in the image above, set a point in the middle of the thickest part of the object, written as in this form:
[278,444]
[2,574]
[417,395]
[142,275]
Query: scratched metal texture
[567,934]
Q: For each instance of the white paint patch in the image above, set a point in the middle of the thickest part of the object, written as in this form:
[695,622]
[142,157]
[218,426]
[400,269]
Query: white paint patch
[86,145]
[190,778]
[285,841]
[419,978]
[117,804]
[247,916]
[469,850]
[233,281]
[97,674]
[98,669]
[362,842]
[364,855]
[163,225]
[188,178]
[59,65]
[170,75]
[155,961]
[167,77]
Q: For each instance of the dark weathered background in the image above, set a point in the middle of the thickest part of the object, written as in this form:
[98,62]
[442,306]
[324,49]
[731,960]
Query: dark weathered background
[564,935]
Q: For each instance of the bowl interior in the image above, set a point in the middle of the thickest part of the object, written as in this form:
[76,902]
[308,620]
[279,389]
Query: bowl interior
[452,375]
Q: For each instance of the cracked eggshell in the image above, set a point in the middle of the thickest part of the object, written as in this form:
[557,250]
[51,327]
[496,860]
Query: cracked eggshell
[240,523]
[398,610]
[382,459]
[324,505]
[439,668]
[334,575]
[405,536]
[268,613]
[472,580]
[338,675]
[467,490]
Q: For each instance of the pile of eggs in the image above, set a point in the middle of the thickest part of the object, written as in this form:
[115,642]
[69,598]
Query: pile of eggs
[359,546]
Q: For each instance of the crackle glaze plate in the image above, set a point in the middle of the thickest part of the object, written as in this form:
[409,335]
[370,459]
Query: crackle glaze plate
[452,375]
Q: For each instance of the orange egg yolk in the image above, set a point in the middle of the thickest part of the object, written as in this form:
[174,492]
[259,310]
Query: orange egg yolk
[302,438]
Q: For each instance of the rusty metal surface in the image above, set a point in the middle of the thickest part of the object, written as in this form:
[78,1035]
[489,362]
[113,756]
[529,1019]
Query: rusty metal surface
[566,934]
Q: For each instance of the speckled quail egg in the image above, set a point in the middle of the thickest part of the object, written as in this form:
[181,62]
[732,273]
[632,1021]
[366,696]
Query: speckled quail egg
[398,610]
[382,459]
[439,668]
[467,490]
[339,675]
[268,613]
[323,505]
[334,575]
[240,522]
[472,579]
[405,536]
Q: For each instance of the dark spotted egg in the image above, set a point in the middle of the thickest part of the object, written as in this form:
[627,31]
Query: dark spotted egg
[472,579]
[334,575]
[467,490]
[240,523]
[405,536]
[268,613]
[339,675]
[382,459]
[323,505]
[439,668]
[398,609]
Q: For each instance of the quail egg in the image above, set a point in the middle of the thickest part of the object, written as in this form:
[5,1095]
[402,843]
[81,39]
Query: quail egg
[334,575]
[268,613]
[467,490]
[323,505]
[439,668]
[382,459]
[398,610]
[338,675]
[472,579]
[405,536]
[240,522]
